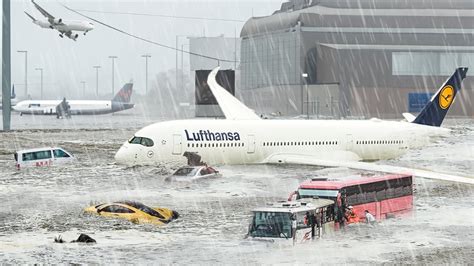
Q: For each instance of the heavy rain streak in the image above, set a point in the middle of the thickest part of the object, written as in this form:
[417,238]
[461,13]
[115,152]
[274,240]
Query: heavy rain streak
[112,103]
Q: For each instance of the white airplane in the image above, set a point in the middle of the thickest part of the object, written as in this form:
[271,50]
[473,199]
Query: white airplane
[120,102]
[64,27]
[244,138]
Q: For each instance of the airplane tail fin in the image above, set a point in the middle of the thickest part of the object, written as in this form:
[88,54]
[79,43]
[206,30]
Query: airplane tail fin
[13,96]
[32,18]
[436,109]
[125,94]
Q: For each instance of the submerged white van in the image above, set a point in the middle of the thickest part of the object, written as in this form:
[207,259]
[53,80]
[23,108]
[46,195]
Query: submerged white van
[42,157]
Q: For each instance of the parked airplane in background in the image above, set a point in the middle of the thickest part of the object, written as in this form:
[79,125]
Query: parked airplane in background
[64,27]
[14,101]
[120,102]
[244,138]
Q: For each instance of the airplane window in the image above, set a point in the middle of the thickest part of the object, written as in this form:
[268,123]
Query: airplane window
[147,142]
[189,144]
[242,144]
[135,140]
[200,145]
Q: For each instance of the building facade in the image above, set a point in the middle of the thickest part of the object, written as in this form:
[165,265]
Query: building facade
[357,58]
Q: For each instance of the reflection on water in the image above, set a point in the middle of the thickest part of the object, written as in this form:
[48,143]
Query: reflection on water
[40,203]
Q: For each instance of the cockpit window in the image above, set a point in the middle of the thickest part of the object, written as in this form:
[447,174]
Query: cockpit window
[142,141]
[147,142]
[135,140]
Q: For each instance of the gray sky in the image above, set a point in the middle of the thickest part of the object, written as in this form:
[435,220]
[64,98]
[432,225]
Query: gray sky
[66,63]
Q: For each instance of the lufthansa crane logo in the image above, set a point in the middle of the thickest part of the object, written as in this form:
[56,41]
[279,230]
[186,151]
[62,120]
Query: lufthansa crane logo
[446,96]
[150,154]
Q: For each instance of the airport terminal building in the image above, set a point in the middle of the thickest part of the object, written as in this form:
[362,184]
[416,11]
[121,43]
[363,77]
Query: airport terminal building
[356,58]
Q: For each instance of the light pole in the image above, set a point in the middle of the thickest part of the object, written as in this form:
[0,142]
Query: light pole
[113,57]
[83,88]
[26,71]
[41,70]
[96,80]
[6,65]
[304,76]
[146,72]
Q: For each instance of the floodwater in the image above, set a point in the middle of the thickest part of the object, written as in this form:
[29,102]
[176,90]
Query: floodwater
[39,204]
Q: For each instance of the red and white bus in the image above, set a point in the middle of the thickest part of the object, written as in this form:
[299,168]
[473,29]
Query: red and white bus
[383,196]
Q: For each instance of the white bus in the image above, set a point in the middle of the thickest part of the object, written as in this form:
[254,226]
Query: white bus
[298,220]
[42,157]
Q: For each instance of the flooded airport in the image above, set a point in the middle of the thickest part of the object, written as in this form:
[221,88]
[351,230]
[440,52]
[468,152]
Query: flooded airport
[203,132]
[43,202]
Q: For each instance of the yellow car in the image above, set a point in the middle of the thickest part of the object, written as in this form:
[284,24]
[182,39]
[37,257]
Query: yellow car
[133,211]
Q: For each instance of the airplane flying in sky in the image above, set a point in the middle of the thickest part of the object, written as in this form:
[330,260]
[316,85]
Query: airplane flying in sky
[244,138]
[120,102]
[65,27]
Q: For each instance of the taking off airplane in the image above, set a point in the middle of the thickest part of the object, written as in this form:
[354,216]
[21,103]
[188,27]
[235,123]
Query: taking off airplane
[65,27]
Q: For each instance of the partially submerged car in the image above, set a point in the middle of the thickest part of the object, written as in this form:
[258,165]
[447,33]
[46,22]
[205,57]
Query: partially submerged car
[42,157]
[191,173]
[133,211]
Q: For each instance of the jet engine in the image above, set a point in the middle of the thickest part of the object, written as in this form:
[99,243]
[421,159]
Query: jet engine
[73,36]
[58,20]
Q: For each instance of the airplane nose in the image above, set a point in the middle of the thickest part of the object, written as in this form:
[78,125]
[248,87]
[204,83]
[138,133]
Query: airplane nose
[123,155]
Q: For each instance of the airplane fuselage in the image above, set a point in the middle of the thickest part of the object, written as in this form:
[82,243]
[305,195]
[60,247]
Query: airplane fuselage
[78,107]
[255,141]
[65,26]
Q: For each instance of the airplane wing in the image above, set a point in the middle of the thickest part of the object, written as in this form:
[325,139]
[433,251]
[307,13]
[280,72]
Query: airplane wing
[231,107]
[50,17]
[32,18]
[310,160]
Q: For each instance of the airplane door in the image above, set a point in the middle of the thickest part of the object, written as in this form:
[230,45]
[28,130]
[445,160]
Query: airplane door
[176,144]
[250,143]
[350,142]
